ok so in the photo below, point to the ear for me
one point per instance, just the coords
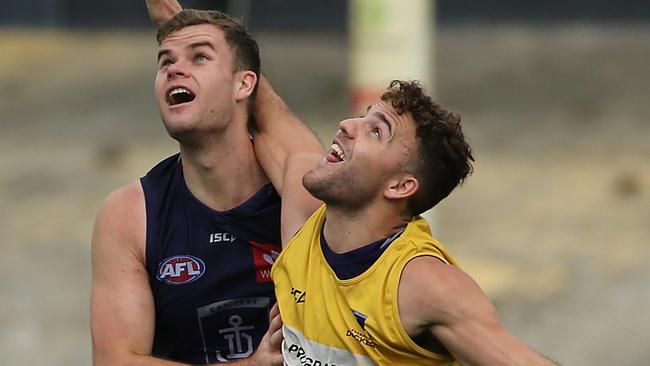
(401, 187)
(244, 84)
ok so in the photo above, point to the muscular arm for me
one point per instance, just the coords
(286, 149)
(441, 299)
(161, 10)
(122, 306)
(122, 309)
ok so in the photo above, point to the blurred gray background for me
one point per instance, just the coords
(555, 98)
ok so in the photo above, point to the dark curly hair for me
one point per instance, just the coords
(444, 157)
(244, 46)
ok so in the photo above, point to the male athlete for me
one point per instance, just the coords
(363, 282)
(182, 257)
(399, 299)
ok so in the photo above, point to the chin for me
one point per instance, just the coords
(316, 185)
(341, 190)
(180, 131)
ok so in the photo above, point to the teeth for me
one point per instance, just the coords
(178, 91)
(337, 149)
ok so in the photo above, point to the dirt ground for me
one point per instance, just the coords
(554, 224)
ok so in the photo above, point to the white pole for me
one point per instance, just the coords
(389, 39)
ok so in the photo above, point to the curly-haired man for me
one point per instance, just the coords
(363, 281)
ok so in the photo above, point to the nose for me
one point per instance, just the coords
(176, 69)
(349, 127)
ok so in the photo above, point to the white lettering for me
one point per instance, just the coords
(191, 271)
(222, 237)
(180, 267)
(265, 273)
(168, 270)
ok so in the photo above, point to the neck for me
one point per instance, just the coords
(345, 232)
(223, 172)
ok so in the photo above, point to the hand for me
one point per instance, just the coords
(162, 10)
(269, 352)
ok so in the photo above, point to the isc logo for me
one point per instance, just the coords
(180, 269)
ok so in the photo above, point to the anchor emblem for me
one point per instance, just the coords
(240, 344)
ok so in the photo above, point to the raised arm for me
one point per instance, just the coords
(161, 10)
(286, 149)
(455, 310)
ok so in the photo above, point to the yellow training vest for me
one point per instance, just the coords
(332, 322)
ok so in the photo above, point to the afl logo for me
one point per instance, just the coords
(180, 269)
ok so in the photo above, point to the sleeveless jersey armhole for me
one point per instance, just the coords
(396, 315)
(318, 213)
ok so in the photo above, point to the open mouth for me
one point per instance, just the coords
(178, 96)
(336, 154)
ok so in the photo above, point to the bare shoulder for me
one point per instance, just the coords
(122, 219)
(437, 292)
(121, 306)
(130, 193)
(441, 300)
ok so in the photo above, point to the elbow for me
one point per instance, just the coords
(112, 355)
(112, 359)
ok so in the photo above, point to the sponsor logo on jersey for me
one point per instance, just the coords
(299, 353)
(362, 338)
(299, 350)
(180, 269)
(263, 256)
(222, 238)
(298, 295)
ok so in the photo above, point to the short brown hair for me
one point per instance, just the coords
(243, 45)
(444, 157)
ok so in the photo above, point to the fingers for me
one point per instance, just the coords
(275, 332)
(275, 329)
(275, 310)
(277, 360)
(276, 340)
(275, 323)
(161, 10)
(275, 320)
(270, 349)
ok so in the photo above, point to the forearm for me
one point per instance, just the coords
(279, 134)
(275, 122)
(495, 347)
(135, 360)
(139, 360)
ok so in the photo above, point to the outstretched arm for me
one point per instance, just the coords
(455, 310)
(161, 10)
(286, 149)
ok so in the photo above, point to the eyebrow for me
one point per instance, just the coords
(202, 44)
(383, 119)
(193, 46)
(162, 53)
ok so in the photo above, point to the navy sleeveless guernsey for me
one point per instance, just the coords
(209, 270)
